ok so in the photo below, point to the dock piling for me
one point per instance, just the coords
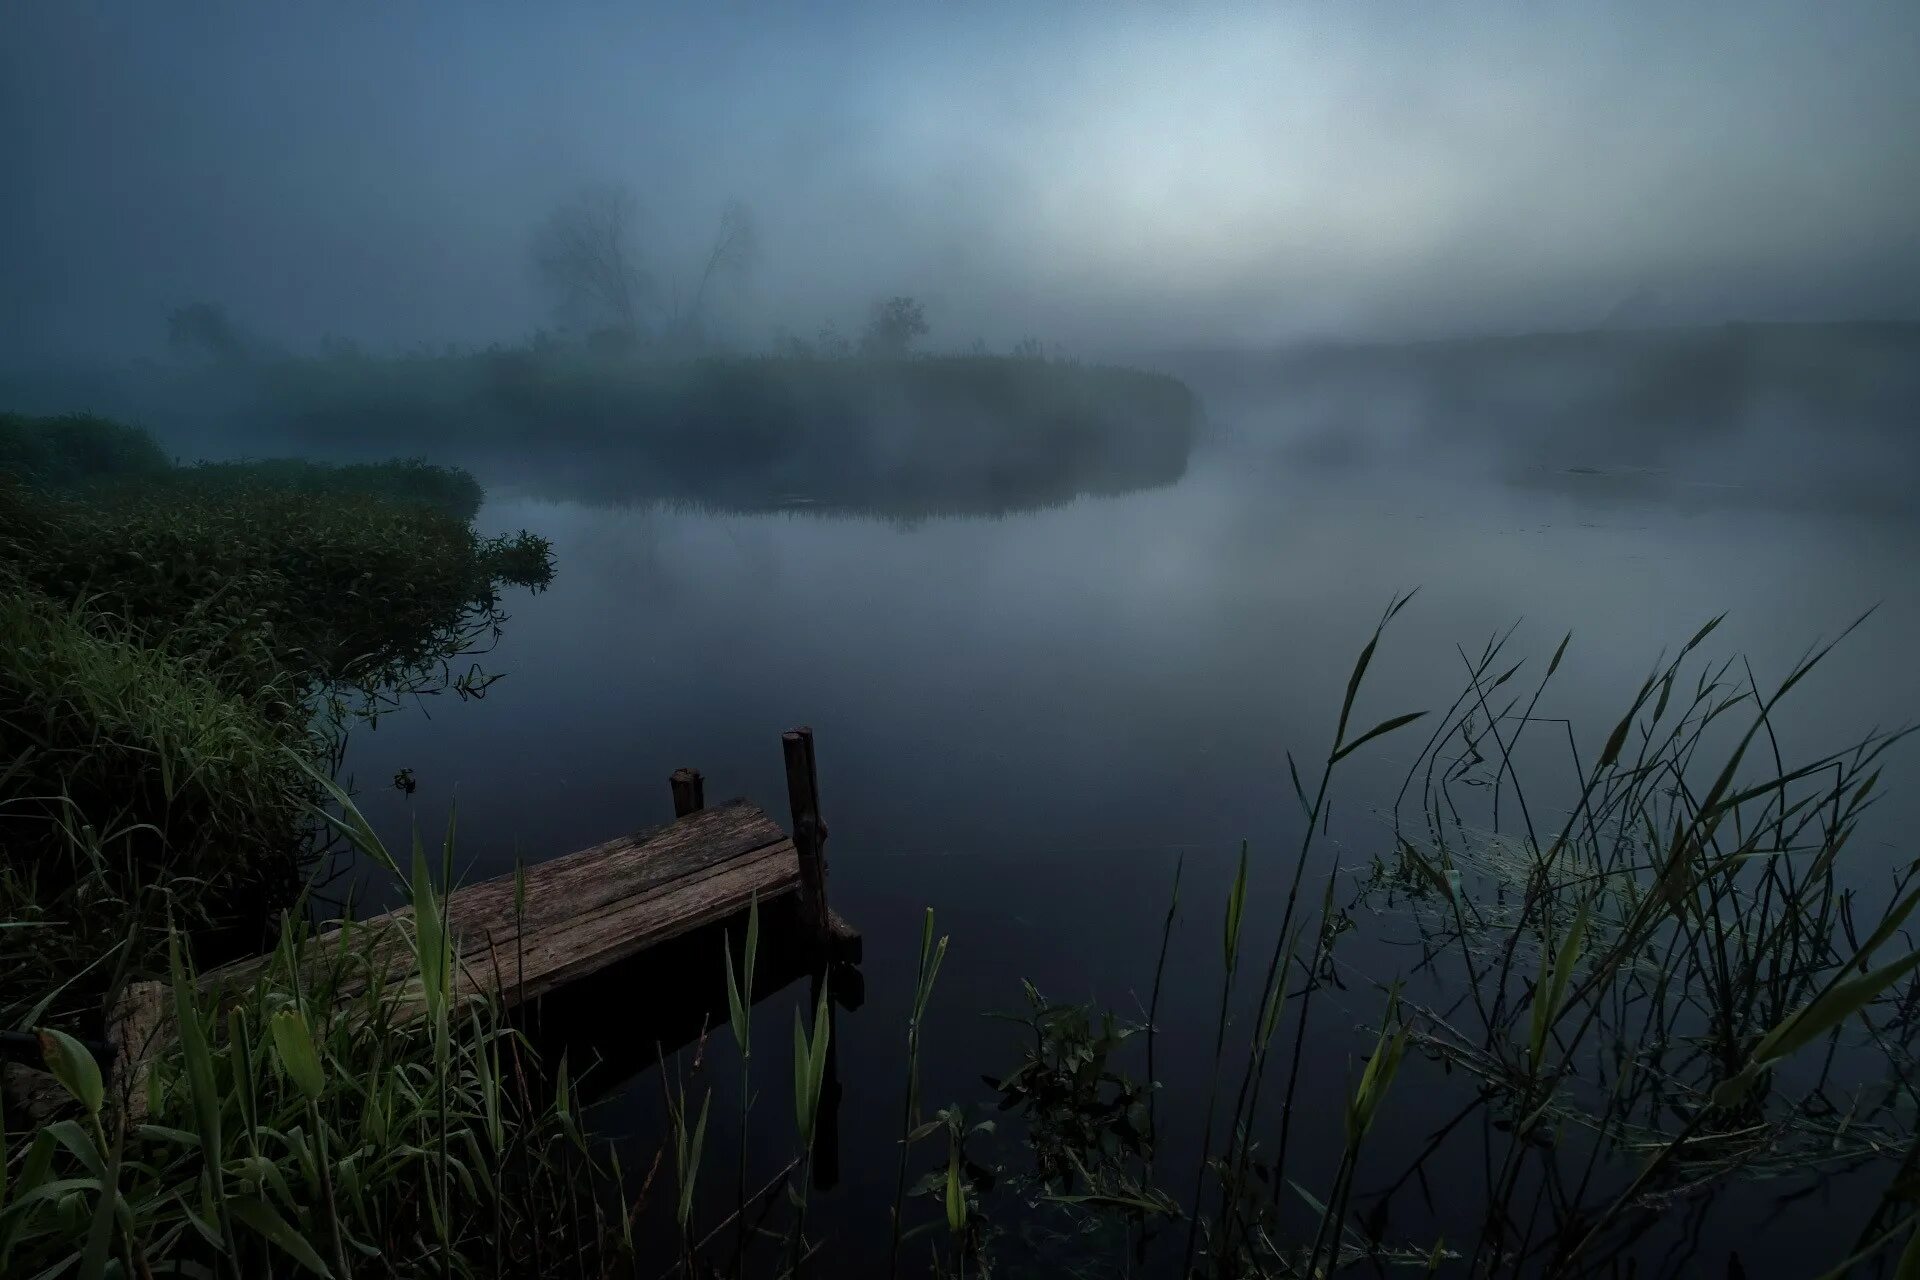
(809, 831)
(689, 792)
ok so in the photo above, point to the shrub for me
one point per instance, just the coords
(68, 451)
(449, 490)
(250, 581)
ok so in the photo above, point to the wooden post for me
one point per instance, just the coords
(809, 832)
(689, 792)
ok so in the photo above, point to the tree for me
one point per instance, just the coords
(586, 256)
(831, 343)
(735, 249)
(205, 330)
(895, 323)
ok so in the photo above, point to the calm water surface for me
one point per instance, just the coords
(1022, 721)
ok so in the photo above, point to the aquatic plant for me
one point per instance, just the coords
(322, 1120)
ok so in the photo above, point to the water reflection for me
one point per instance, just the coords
(1023, 721)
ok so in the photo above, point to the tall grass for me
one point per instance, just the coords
(1662, 991)
(926, 970)
(324, 1120)
(168, 648)
(1654, 977)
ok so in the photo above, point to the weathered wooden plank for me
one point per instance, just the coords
(582, 912)
(563, 888)
(593, 942)
(558, 892)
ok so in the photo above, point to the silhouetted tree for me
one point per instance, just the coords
(831, 343)
(586, 256)
(735, 249)
(204, 329)
(895, 323)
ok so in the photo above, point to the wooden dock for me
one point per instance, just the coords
(577, 915)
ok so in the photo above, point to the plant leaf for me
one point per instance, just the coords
(1831, 1008)
(74, 1068)
(1385, 726)
(1236, 906)
(293, 1045)
(956, 1199)
(262, 1219)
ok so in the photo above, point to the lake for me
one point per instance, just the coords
(1023, 721)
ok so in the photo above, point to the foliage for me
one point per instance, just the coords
(1086, 1119)
(169, 648)
(985, 431)
(321, 1121)
(1673, 992)
(893, 327)
(64, 452)
(205, 331)
(279, 581)
(135, 788)
(814, 424)
(448, 490)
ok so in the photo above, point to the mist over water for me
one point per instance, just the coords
(1024, 719)
(1042, 403)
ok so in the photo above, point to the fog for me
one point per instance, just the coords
(1111, 178)
(1043, 401)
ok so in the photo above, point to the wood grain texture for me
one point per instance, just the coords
(583, 912)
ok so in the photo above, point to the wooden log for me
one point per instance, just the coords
(809, 831)
(689, 792)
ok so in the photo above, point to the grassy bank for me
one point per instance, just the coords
(181, 650)
(178, 641)
(974, 432)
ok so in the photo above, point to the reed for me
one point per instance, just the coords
(926, 970)
(320, 1121)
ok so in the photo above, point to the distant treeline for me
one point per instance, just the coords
(1800, 416)
(953, 432)
(1645, 387)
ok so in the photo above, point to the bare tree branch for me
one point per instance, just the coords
(585, 255)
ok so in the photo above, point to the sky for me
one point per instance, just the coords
(1099, 174)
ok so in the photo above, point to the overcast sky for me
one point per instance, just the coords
(1105, 174)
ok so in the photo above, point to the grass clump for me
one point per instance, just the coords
(123, 739)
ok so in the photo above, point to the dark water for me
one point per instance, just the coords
(1021, 721)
